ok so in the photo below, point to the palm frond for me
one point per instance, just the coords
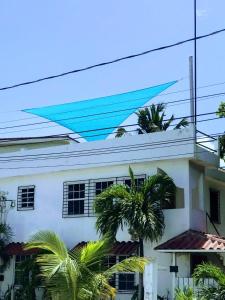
(120, 132)
(183, 123)
(131, 264)
(50, 241)
(108, 208)
(208, 270)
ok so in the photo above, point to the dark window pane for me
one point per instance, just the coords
(71, 195)
(82, 187)
(76, 187)
(101, 186)
(126, 282)
(215, 206)
(138, 182)
(76, 206)
(76, 195)
(112, 281)
(82, 194)
(70, 187)
(81, 207)
(70, 207)
(98, 185)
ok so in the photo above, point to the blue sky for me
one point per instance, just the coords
(41, 38)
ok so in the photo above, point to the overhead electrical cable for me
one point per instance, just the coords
(112, 61)
(100, 114)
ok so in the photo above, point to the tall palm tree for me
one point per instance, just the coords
(152, 119)
(137, 207)
(208, 270)
(80, 273)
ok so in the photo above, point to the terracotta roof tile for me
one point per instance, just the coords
(18, 249)
(194, 240)
(119, 248)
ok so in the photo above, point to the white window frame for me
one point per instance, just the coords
(66, 198)
(19, 197)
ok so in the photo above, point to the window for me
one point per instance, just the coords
(111, 261)
(124, 282)
(74, 199)
(101, 186)
(138, 182)
(197, 259)
(214, 196)
(20, 277)
(25, 199)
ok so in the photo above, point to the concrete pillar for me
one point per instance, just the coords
(150, 281)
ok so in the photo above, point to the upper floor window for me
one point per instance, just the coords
(214, 199)
(138, 182)
(100, 186)
(79, 195)
(74, 199)
(25, 199)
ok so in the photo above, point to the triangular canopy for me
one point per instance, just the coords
(95, 119)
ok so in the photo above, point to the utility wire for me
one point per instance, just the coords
(112, 61)
(168, 104)
(113, 150)
(103, 162)
(102, 113)
(160, 95)
(97, 129)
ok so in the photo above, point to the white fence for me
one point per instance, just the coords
(185, 282)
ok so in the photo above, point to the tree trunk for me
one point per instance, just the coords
(141, 281)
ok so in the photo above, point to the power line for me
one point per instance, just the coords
(168, 104)
(113, 150)
(103, 162)
(160, 95)
(112, 61)
(102, 113)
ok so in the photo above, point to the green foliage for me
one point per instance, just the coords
(221, 114)
(5, 238)
(186, 294)
(78, 274)
(120, 132)
(152, 119)
(139, 208)
(208, 270)
(221, 110)
(222, 146)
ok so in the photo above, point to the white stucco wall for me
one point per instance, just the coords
(144, 158)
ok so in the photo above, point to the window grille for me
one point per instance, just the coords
(25, 198)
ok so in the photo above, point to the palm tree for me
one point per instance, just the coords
(137, 207)
(208, 270)
(152, 119)
(5, 237)
(80, 273)
(186, 294)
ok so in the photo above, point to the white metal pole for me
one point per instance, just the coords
(173, 275)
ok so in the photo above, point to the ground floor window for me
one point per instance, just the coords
(197, 259)
(20, 275)
(123, 282)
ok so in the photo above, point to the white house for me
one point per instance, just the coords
(53, 181)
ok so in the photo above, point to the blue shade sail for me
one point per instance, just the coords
(95, 119)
